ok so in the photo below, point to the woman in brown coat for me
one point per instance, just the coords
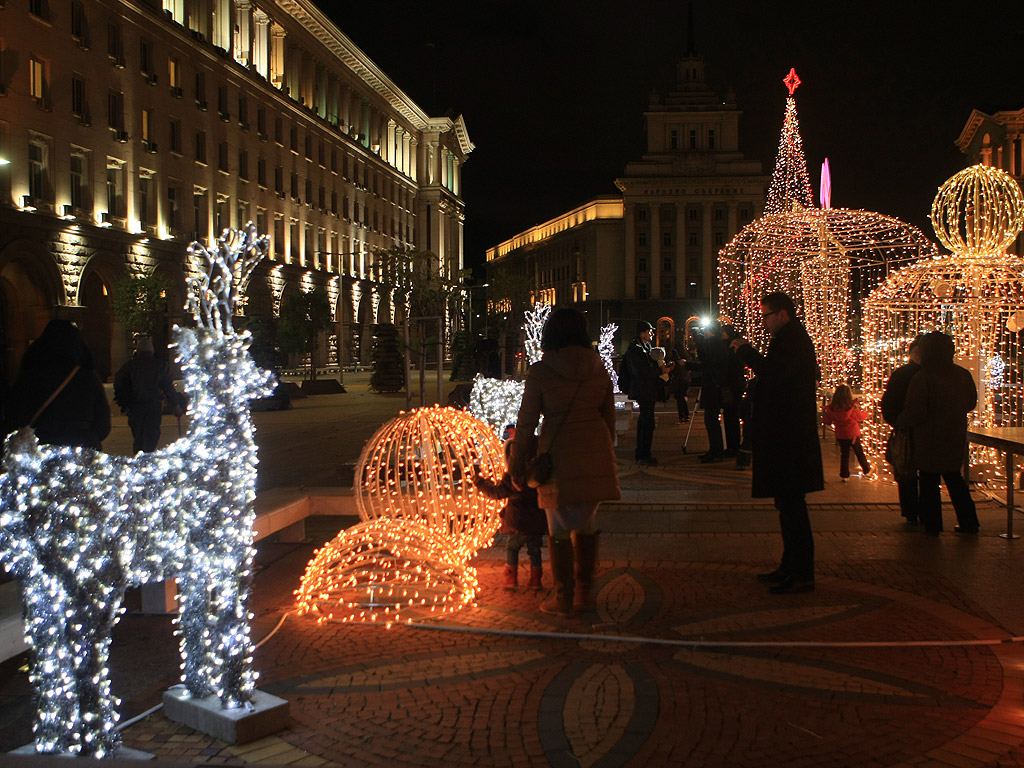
(573, 391)
(938, 400)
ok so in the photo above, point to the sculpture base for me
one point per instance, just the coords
(235, 726)
(123, 753)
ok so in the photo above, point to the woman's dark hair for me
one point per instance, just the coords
(60, 345)
(937, 350)
(565, 328)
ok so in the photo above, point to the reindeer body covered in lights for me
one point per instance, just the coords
(78, 527)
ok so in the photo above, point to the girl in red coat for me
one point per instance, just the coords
(844, 414)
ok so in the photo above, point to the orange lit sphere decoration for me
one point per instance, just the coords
(975, 296)
(385, 571)
(420, 466)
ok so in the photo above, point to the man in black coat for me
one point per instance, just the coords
(784, 436)
(643, 388)
(139, 388)
(722, 385)
(893, 399)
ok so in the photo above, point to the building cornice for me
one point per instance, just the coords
(592, 210)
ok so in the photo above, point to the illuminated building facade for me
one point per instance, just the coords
(131, 127)
(997, 140)
(652, 252)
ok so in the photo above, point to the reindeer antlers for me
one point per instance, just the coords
(213, 296)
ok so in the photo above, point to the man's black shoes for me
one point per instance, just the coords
(710, 458)
(792, 586)
(773, 577)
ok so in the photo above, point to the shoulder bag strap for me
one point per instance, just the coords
(52, 397)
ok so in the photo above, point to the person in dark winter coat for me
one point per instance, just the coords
(722, 385)
(79, 416)
(139, 388)
(784, 436)
(522, 519)
(644, 385)
(572, 390)
(679, 380)
(893, 397)
(935, 411)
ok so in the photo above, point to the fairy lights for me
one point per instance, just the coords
(828, 260)
(78, 527)
(791, 187)
(606, 349)
(974, 295)
(423, 520)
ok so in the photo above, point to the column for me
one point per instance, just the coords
(680, 250)
(277, 65)
(706, 251)
(243, 32)
(344, 107)
(390, 155)
(629, 214)
(414, 158)
(654, 268)
(261, 47)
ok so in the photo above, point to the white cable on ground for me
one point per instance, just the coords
(717, 643)
(121, 726)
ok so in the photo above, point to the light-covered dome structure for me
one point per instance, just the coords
(976, 296)
(828, 260)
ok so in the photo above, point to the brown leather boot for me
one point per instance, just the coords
(511, 577)
(559, 602)
(585, 548)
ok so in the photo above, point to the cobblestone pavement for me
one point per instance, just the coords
(901, 656)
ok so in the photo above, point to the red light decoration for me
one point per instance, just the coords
(791, 80)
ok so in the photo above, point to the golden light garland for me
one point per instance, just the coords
(976, 297)
(827, 260)
(424, 518)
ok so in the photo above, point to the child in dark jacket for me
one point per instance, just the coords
(523, 521)
(844, 414)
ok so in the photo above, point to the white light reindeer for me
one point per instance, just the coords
(78, 527)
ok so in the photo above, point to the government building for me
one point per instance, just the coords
(651, 252)
(130, 128)
(996, 140)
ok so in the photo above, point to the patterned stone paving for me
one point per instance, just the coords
(430, 696)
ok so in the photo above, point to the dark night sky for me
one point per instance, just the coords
(553, 93)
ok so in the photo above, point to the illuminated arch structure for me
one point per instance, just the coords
(828, 260)
(975, 294)
(423, 519)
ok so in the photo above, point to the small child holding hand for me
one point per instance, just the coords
(844, 414)
(522, 519)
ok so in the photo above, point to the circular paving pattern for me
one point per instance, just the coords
(362, 695)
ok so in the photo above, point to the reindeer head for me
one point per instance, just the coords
(220, 375)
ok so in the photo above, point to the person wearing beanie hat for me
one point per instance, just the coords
(643, 374)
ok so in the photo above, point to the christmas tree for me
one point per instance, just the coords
(790, 185)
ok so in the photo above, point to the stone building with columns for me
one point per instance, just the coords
(129, 128)
(651, 253)
(996, 140)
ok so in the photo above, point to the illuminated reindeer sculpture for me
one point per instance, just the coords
(78, 527)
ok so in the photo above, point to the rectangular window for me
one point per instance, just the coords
(174, 77)
(641, 214)
(673, 141)
(294, 139)
(222, 157)
(641, 264)
(692, 291)
(200, 213)
(693, 238)
(322, 155)
(146, 59)
(115, 46)
(693, 214)
(261, 123)
(322, 199)
(666, 264)
(719, 239)
(173, 206)
(201, 91)
(243, 164)
(40, 8)
(174, 131)
(277, 241)
(201, 147)
(295, 186)
(37, 80)
(666, 290)
(309, 193)
(223, 213)
(261, 221)
(711, 138)
(79, 108)
(78, 23)
(641, 291)
(279, 180)
(222, 103)
(115, 188)
(115, 115)
(147, 202)
(261, 172)
(147, 121)
(693, 264)
(279, 131)
(334, 202)
(39, 186)
(666, 238)
(79, 178)
(243, 113)
(641, 238)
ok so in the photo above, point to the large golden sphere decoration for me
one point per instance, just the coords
(423, 519)
(978, 211)
(420, 465)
